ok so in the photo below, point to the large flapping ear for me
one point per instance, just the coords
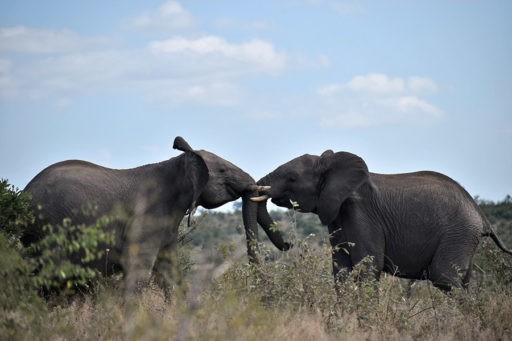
(340, 174)
(196, 172)
(181, 144)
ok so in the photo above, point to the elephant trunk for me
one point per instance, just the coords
(264, 219)
(249, 216)
(270, 227)
(252, 214)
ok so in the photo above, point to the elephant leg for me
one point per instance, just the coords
(340, 261)
(374, 266)
(340, 252)
(139, 257)
(166, 270)
(467, 277)
(140, 251)
(452, 264)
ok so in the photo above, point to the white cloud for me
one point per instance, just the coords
(376, 82)
(422, 85)
(212, 63)
(372, 99)
(60, 64)
(256, 52)
(410, 104)
(329, 90)
(169, 16)
(382, 84)
(21, 39)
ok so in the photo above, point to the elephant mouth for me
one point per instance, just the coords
(283, 202)
(232, 192)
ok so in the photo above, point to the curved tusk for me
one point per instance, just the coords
(261, 198)
(264, 188)
(191, 221)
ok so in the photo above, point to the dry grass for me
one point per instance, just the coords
(289, 298)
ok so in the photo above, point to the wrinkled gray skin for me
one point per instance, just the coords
(147, 204)
(419, 225)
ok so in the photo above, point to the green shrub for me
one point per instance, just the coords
(15, 211)
(62, 256)
(56, 262)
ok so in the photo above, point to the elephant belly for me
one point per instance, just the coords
(412, 264)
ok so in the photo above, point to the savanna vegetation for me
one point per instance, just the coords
(289, 296)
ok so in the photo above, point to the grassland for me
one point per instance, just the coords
(290, 296)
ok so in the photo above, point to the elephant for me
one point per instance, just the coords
(420, 225)
(146, 203)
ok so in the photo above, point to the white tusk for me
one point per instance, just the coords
(261, 198)
(191, 221)
(264, 188)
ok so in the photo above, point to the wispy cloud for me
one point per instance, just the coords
(22, 39)
(204, 70)
(170, 16)
(373, 99)
(255, 52)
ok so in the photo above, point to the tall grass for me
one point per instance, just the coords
(291, 297)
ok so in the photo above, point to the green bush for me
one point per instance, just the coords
(15, 212)
(56, 262)
(62, 256)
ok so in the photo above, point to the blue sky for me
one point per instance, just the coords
(407, 85)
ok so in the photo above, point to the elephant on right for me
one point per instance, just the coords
(420, 225)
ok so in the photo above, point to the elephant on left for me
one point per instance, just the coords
(145, 206)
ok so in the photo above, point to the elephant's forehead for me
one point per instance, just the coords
(301, 163)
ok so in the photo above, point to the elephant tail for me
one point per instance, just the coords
(497, 240)
(489, 231)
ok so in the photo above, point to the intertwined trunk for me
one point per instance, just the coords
(254, 213)
(249, 213)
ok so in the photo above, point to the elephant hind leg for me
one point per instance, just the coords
(452, 263)
(467, 277)
(446, 281)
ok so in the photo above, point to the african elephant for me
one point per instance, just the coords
(147, 204)
(420, 225)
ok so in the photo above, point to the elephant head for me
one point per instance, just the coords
(311, 183)
(226, 183)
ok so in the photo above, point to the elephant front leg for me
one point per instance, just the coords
(340, 254)
(167, 272)
(138, 259)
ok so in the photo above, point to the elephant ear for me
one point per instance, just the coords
(197, 175)
(181, 144)
(340, 174)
